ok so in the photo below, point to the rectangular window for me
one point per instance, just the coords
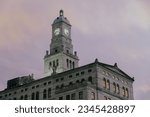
(49, 93)
(81, 95)
(67, 97)
(73, 96)
(77, 74)
(26, 89)
(82, 73)
(45, 83)
(44, 94)
(62, 79)
(32, 96)
(90, 70)
(60, 98)
(57, 80)
(37, 95)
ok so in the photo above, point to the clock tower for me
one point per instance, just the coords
(60, 57)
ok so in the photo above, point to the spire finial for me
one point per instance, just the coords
(61, 13)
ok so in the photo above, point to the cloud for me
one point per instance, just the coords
(118, 29)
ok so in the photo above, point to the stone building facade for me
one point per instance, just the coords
(65, 80)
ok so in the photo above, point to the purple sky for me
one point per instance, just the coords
(110, 30)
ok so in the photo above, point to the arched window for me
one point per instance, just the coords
(104, 82)
(44, 94)
(70, 83)
(73, 65)
(57, 62)
(50, 64)
(90, 79)
(53, 63)
(118, 89)
(123, 92)
(62, 85)
(83, 80)
(92, 96)
(49, 93)
(70, 64)
(77, 81)
(37, 95)
(108, 84)
(67, 61)
(32, 96)
(114, 87)
(127, 93)
(25, 97)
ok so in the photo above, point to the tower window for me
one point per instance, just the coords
(56, 50)
(67, 51)
(50, 64)
(70, 64)
(67, 63)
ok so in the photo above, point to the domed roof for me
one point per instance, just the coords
(61, 18)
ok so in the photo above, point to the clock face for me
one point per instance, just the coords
(57, 31)
(66, 31)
